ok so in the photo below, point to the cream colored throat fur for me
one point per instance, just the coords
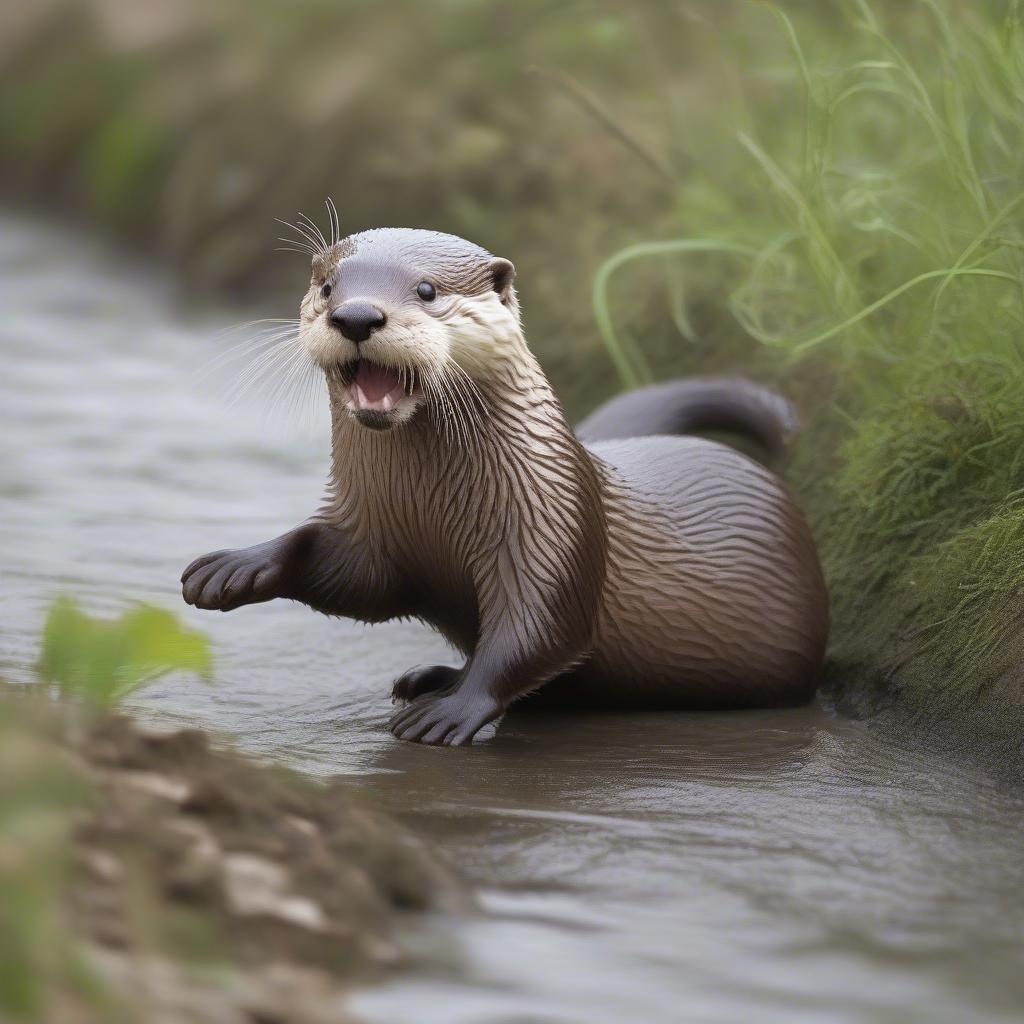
(499, 521)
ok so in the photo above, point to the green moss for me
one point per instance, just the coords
(970, 589)
(916, 468)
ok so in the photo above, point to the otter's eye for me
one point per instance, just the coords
(426, 291)
(325, 291)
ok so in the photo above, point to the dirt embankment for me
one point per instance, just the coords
(200, 886)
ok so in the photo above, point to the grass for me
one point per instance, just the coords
(873, 222)
(978, 574)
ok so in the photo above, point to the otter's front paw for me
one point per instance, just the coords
(224, 580)
(451, 719)
(418, 681)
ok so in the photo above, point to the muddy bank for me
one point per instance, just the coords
(198, 885)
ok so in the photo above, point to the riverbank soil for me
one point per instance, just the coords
(177, 882)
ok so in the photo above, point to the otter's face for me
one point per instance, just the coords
(399, 318)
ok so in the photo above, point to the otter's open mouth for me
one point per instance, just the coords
(373, 387)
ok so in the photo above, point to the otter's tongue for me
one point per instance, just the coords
(376, 387)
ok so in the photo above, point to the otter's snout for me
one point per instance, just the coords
(357, 320)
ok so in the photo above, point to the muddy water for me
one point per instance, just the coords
(784, 866)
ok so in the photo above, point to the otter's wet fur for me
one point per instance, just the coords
(636, 570)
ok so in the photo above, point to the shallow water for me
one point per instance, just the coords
(782, 866)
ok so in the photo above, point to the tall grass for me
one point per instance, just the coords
(870, 209)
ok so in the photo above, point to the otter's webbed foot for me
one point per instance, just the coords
(225, 580)
(451, 718)
(419, 681)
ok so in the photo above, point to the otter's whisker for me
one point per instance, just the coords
(264, 383)
(260, 344)
(469, 387)
(314, 242)
(286, 377)
(436, 406)
(464, 402)
(332, 212)
(444, 386)
(316, 229)
(303, 248)
(264, 334)
(284, 395)
(453, 425)
(454, 368)
(296, 249)
(263, 337)
(244, 351)
(234, 328)
(312, 235)
(315, 394)
(461, 388)
(432, 406)
(303, 243)
(453, 410)
(263, 364)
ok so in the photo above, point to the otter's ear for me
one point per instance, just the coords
(503, 274)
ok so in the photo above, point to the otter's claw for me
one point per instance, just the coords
(224, 580)
(418, 681)
(451, 719)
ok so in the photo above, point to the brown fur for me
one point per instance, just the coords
(652, 571)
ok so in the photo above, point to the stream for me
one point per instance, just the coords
(653, 868)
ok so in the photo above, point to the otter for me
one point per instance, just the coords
(623, 565)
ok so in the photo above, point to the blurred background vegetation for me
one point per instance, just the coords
(826, 195)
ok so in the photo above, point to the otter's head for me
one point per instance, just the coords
(398, 318)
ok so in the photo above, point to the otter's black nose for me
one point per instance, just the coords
(357, 319)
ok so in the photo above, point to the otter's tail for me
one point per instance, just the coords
(732, 404)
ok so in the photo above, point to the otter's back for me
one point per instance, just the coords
(713, 583)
